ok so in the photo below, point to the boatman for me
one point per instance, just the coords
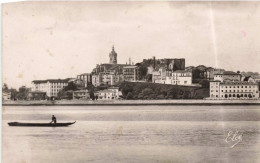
(53, 119)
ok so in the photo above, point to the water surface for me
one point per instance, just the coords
(132, 134)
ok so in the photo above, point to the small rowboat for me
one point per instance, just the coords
(40, 124)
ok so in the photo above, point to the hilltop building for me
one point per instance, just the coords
(172, 64)
(84, 79)
(109, 73)
(178, 77)
(113, 56)
(227, 75)
(130, 73)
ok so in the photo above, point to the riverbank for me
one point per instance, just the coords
(133, 102)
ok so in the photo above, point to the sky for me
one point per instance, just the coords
(52, 40)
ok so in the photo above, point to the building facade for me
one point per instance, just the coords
(50, 86)
(111, 93)
(130, 73)
(113, 56)
(233, 90)
(227, 76)
(84, 79)
(37, 95)
(81, 94)
(179, 77)
(6, 96)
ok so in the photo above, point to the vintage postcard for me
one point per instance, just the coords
(130, 82)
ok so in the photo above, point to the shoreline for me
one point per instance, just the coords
(130, 102)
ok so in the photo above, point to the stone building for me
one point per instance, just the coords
(227, 76)
(233, 90)
(108, 73)
(84, 79)
(113, 56)
(131, 73)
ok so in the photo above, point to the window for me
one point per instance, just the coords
(241, 86)
(237, 86)
(245, 86)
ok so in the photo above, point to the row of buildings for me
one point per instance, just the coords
(164, 71)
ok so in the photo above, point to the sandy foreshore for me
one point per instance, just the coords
(134, 102)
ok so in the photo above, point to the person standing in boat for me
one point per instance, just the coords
(53, 119)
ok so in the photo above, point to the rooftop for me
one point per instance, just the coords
(238, 83)
(130, 66)
(51, 81)
(181, 71)
(227, 73)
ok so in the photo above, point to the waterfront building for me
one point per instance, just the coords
(81, 94)
(233, 90)
(111, 93)
(6, 96)
(227, 76)
(37, 95)
(50, 86)
(130, 73)
(84, 79)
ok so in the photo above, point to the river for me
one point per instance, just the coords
(132, 134)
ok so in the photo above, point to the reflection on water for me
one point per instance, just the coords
(132, 134)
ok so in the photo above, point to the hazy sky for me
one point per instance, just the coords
(43, 40)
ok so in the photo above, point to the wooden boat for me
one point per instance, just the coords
(40, 124)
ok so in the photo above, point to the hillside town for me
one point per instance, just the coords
(152, 78)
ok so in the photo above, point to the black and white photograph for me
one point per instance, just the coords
(130, 81)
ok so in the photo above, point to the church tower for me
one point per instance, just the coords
(113, 56)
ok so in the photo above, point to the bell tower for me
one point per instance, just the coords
(113, 56)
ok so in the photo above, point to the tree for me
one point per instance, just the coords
(204, 83)
(23, 93)
(143, 71)
(5, 88)
(147, 91)
(92, 95)
(149, 77)
(129, 96)
(71, 87)
(13, 93)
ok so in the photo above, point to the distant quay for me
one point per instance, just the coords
(132, 102)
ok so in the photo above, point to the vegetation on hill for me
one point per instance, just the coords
(135, 90)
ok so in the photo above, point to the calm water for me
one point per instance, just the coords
(132, 134)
